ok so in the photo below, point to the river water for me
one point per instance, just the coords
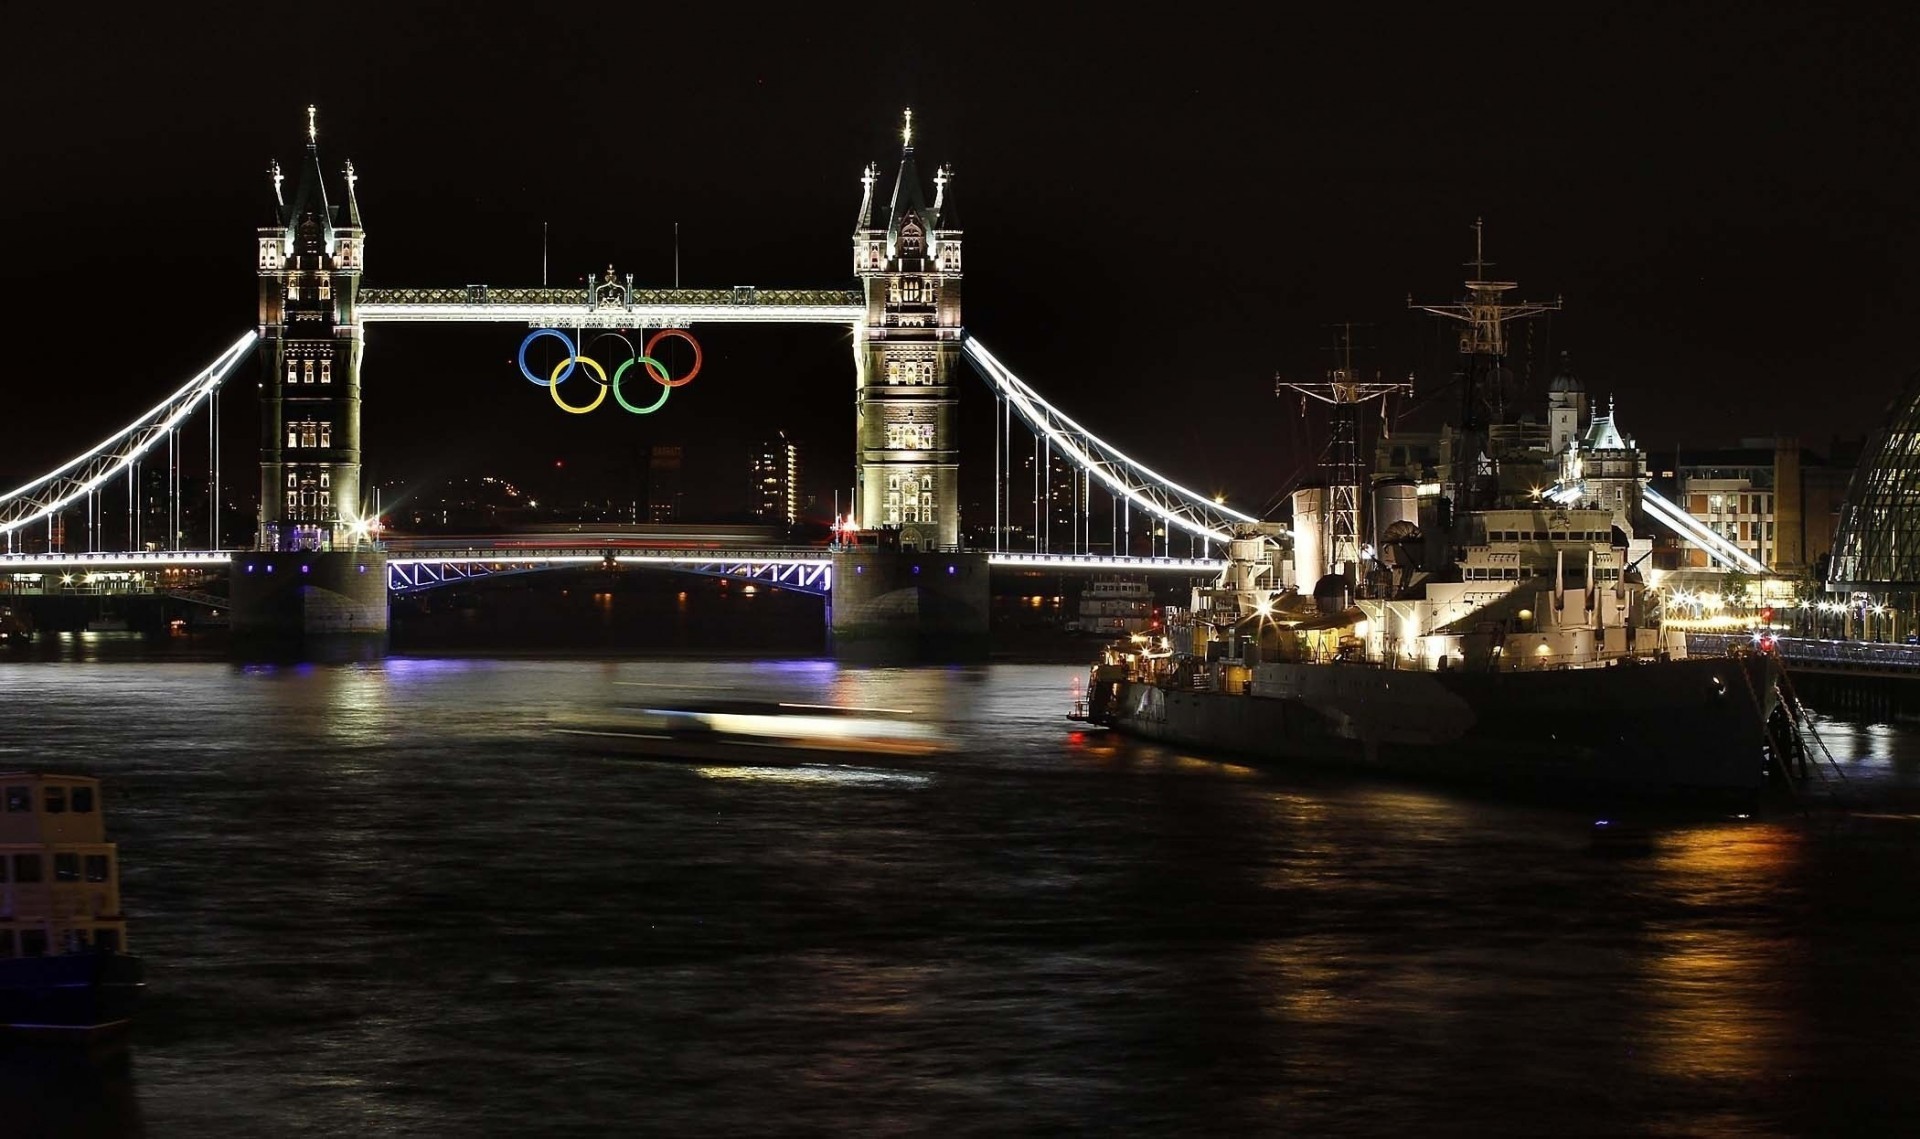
(388, 898)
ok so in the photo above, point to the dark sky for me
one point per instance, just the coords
(1161, 213)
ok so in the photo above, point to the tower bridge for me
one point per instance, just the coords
(314, 564)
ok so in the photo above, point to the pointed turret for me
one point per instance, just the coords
(353, 203)
(864, 219)
(945, 217)
(908, 209)
(276, 212)
(310, 196)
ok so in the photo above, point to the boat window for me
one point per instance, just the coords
(26, 868)
(33, 943)
(6, 943)
(106, 940)
(3, 870)
(96, 868)
(76, 941)
(56, 800)
(66, 868)
(19, 798)
(82, 800)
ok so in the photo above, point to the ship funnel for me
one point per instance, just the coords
(1309, 555)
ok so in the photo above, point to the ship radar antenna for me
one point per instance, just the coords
(1485, 311)
(1479, 263)
(1344, 391)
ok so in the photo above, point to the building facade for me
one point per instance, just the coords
(309, 260)
(776, 480)
(1774, 499)
(666, 488)
(907, 257)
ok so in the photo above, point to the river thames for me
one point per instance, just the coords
(389, 898)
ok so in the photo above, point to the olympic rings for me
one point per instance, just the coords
(660, 377)
(665, 389)
(592, 365)
(535, 335)
(655, 369)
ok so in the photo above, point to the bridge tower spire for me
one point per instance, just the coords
(905, 352)
(309, 268)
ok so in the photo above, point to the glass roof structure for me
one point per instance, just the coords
(1877, 548)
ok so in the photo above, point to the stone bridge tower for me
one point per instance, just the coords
(907, 256)
(309, 264)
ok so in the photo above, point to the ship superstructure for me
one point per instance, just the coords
(1476, 607)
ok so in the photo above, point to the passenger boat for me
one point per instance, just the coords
(64, 965)
(1113, 607)
(754, 732)
(14, 629)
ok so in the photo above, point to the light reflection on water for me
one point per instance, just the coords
(380, 898)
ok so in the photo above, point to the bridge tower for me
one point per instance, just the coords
(310, 260)
(907, 257)
(313, 572)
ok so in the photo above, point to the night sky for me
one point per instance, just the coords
(1160, 214)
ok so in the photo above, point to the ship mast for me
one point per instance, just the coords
(1344, 391)
(1485, 311)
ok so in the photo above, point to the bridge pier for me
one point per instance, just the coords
(904, 604)
(303, 597)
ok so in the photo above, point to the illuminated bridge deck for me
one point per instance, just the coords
(417, 564)
(577, 308)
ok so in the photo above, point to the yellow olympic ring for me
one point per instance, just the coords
(590, 364)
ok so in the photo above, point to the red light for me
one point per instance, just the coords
(1766, 614)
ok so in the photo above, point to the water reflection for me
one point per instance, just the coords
(381, 897)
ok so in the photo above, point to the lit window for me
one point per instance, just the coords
(326, 479)
(326, 371)
(306, 371)
(293, 288)
(293, 371)
(326, 287)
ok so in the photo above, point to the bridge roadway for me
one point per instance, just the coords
(586, 307)
(415, 564)
(1833, 658)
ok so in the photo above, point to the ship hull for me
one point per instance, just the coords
(80, 995)
(1671, 727)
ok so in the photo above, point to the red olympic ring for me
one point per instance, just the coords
(659, 377)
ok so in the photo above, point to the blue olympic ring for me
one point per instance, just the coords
(557, 335)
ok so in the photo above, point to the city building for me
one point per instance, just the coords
(776, 480)
(665, 491)
(1776, 500)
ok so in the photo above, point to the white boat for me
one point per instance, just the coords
(1113, 607)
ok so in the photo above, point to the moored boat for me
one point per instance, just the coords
(64, 965)
(1478, 609)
